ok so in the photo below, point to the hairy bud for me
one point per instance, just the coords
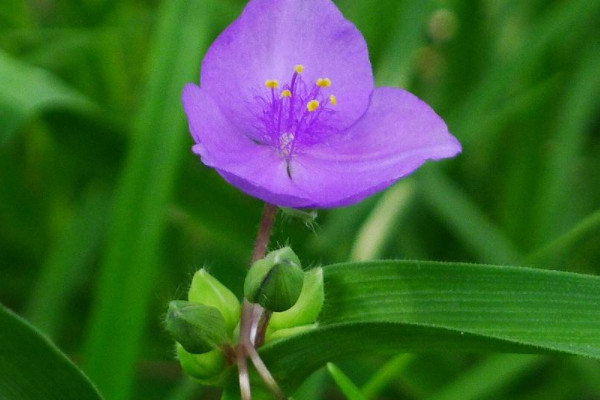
(276, 281)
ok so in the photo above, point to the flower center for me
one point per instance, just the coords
(294, 115)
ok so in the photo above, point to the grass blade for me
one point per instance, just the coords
(26, 90)
(350, 390)
(483, 380)
(132, 262)
(579, 111)
(474, 228)
(386, 374)
(66, 263)
(379, 226)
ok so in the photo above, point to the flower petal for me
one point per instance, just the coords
(397, 134)
(256, 169)
(269, 39)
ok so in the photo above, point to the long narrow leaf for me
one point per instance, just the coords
(26, 90)
(31, 367)
(132, 263)
(428, 306)
(350, 390)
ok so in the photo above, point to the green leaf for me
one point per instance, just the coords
(423, 306)
(484, 379)
(560, 247)
(577, 114)
(387, 374)
(26, 90)
(383, 221)
(31, 367)
(350, 390)
(67, 262)
(467, 220)
(131, 266)
(398, 61)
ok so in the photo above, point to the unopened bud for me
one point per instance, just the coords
(206, 289)
(209, 368)
(197, 327)
(276, 281)
(309, 304)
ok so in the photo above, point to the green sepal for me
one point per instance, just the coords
(273, 334)
(197, 327)
(309, 304)
(209, 368)
(206, 289)
(276, 281)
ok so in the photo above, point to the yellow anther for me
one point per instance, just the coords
(272, 84)
(312, 105)
(286, 93)
(323, 82)
(333, 100)
(299, 68)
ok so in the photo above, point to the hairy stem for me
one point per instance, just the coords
(264, 232)
(248, 320)
(265, 374)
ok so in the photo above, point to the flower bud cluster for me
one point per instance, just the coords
(205, 326)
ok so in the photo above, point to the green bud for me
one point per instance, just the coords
(209, 368)
(205, 289)
(197, 327)
(276, 281)
(307, 308)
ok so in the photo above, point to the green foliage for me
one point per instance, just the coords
(105, 214)
(344, 383)
(417, 306)
(31, 367)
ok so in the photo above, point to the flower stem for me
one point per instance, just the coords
(261, 330)
(265, 374)
(248, 320)
(264, 232)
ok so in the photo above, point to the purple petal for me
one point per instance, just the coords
(269, 39)
(398, 134)
(256, 169)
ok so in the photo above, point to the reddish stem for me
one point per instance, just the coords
(264, 232)
(247, 322)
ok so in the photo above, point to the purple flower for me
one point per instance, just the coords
(287, 110)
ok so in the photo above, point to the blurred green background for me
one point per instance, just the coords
(105, 213)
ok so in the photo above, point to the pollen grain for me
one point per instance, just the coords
(272, 84)
(324, 82)
(312, 105)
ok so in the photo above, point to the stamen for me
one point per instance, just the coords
(294, 114)
(324, 82)
(272, 84)
(312, 105)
